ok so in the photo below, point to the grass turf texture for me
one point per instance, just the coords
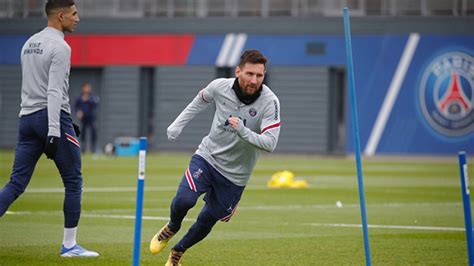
(271, 226)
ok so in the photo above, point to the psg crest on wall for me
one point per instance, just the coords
(447, 94)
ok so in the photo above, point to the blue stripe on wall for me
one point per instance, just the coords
(408, 131)
(10, 48)
(205, 49)
(375, 61)
(292, 49)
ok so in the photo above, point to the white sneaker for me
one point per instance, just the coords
(77, 251)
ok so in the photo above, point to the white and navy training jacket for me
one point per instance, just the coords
(233, 152)
(45, 63)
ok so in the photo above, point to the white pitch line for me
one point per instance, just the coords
(351, 205)
(92, 215)
(101, 189)
(122, 189)
(403, 227)
(162, 218)
(259, 208)
(131, 217)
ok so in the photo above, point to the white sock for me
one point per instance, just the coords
(69, 240)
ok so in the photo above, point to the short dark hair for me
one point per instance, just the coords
(52, 5)
(252, 56)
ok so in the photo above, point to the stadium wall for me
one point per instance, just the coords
(306, 60)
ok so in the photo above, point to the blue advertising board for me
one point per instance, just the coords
(415, 93)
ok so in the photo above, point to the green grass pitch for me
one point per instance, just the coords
(414, 209)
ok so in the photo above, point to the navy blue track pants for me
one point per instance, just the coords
(32, 135)
(221, 197)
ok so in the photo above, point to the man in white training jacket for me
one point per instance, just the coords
(246, 120)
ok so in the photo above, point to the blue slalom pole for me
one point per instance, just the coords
(466, 198)
(355, 126)
(139, 207)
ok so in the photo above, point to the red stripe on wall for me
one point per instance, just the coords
(128, 49)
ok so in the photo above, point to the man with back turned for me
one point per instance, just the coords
(45, 120)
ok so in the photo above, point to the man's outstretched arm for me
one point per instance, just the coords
(197, 105)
